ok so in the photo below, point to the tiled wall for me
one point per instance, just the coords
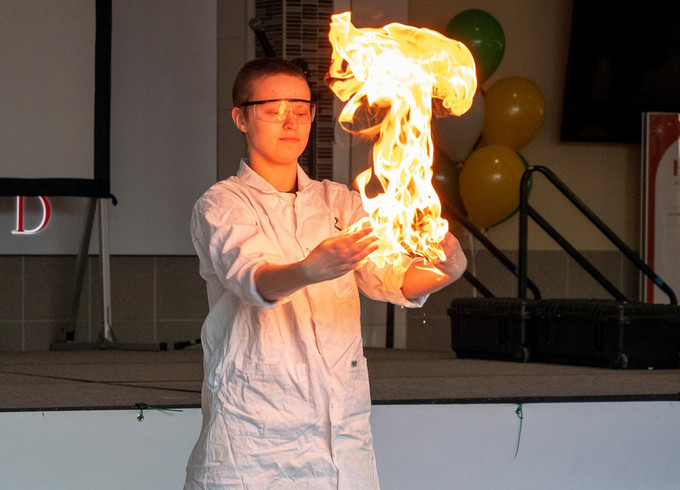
(153, 300)
(163, 299)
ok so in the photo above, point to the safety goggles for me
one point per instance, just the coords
(277, 110)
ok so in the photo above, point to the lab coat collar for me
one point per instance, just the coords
(253, 179)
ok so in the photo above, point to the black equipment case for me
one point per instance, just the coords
(615, 334)
(492, 328)
(587, 332)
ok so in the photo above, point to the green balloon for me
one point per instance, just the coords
(483, 36)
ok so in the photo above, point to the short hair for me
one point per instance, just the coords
(259, 68)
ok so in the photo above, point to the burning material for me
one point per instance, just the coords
(393, 74)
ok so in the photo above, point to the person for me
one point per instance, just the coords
(285, 398)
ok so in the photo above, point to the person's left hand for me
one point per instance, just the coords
(455, 263)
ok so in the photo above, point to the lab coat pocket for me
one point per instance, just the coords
(345, 288)
(268, 400)
(358, 397)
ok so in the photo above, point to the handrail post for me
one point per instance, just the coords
(523, 233)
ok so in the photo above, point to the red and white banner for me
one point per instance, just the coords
(661, 203)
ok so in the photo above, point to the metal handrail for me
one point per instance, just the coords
(526, 211)
(488, 244)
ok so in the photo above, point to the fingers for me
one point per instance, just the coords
(361, 238)
(365, 238)
(355, 246)
(448, 243)
(356, 235)
(340, 254)
(455, 262)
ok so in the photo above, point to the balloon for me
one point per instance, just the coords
(483, 36)
(489, 184)
(514, 110)
(529, 187)
(445, 179)
(456, 136)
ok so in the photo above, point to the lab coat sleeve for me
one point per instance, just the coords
(384, 284)
(231, 245)
(381, 283)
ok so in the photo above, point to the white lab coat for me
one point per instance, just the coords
(285, 398)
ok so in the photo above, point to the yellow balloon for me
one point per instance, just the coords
(489, 184)
(514, 110)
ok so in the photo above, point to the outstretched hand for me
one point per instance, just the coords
(452, 265)
(421, 279)
(336, 256)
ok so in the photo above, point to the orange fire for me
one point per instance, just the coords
(393, 74)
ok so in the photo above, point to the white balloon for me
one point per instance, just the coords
(456, 136)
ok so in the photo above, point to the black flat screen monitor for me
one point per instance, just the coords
(624, 60)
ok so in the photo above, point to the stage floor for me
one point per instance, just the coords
(110, 379)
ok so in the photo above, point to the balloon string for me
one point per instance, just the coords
(520, 414)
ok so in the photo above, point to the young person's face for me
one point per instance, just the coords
(270, 142)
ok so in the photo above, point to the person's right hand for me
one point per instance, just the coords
(336, 256)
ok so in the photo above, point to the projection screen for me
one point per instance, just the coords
(55, 66)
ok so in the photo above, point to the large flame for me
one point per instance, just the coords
(393, 74)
